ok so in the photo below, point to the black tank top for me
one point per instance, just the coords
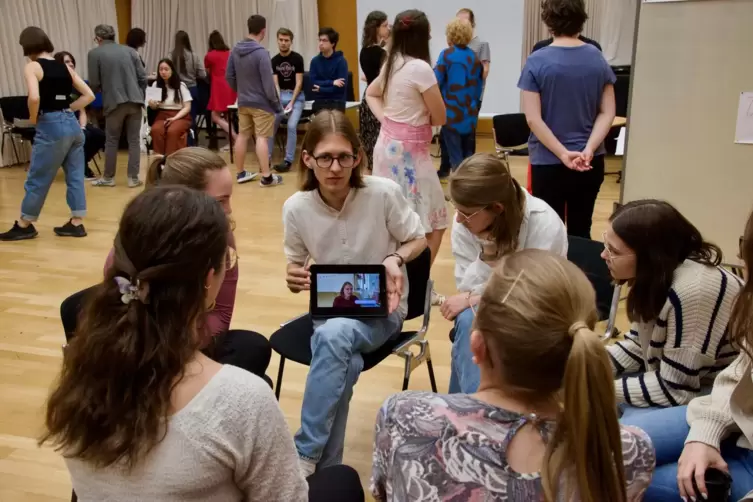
(56, 86)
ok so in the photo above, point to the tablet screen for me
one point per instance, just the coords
(348, 291)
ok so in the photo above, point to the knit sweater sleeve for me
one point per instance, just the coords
(627, 356)
(689, 317)
(710, 417)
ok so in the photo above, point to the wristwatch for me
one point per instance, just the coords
(400, 259)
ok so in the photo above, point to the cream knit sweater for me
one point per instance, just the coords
(665, 362)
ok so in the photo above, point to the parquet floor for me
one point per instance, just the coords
(35, 276)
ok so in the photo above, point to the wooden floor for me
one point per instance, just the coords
(36, 275)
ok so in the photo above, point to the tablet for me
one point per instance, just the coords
(354, 291)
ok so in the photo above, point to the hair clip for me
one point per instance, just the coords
(130, 291)
(515, 283)
(406, 21)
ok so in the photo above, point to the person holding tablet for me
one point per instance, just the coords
(346, 298)
(341, 217)
(494, 217)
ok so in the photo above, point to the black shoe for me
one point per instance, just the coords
(283, 168)
(18, 233)
(70, 230)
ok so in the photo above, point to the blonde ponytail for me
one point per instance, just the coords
(586, 450)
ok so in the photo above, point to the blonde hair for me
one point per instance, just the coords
(482, 180)
(459, 32)
(536, 316)
(187, 167)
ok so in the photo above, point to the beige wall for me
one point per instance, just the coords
(692, 61)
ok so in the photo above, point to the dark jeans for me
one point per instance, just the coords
(194, 112)
(571, 194)
(458, 146)
(444, 163)
(244, 349)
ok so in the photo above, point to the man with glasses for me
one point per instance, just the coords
(118, 72)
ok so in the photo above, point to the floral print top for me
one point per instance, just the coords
(433, 447)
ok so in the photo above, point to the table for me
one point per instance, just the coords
(308, 106)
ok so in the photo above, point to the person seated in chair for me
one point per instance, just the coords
(288, 69)
(139, 412)
(341, 217)
(494, 216)
(679, 304)
(545, 406)
(94, 137)
(328, 73)
(170, 128)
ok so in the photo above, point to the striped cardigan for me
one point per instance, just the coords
(665, 362)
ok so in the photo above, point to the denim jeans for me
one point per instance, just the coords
(293, 119)
(59, 141)
(459, 146)
(668, 428)
(465, 375)
(336, 347)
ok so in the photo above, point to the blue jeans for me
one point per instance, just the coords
(59, 141)
(293, 119)
(459, 146)
(668, 428)
(465, 375)
(336, 347)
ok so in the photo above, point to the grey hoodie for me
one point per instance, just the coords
(249, 73)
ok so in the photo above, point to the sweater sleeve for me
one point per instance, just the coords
(627, 356)
(464, 250)
(268, 468)
(230, 74)
(710, 417)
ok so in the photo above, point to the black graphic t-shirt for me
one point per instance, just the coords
(285, 67)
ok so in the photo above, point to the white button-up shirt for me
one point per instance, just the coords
(373, 223)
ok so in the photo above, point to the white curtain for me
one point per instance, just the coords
(618, 31)
(160, 19)
(70, 26)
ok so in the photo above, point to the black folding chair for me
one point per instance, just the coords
(15, 107)
(511, 133)
(586, 254)
(293, 339)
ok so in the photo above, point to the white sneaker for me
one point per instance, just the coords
(246, 176)
(307, 467)
(134, 182)
(274, 179)
(103, 182)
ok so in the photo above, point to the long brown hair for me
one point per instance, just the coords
(410, 37)
(112, 399)
(482, 180)
(537, 315)
(374, 20)
(330, 122)
(661, 238)
(182, 44)
(187, 166)
(216, 42)
(740, 324)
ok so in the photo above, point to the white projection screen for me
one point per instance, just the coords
(499, 22)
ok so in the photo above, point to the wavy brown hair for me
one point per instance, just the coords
(741, 319)
(374, 20)
(482, 180)
(410, 37)
(324, 123)
(661, 238)
(564, 17)
(112, 399)
(537, 315)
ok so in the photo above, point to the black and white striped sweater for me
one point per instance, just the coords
(665, 362)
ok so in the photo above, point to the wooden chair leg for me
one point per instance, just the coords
(278, 387)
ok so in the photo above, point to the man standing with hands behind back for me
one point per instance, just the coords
(117, 71)
(249, 73)
(329, 73)
(288, 75)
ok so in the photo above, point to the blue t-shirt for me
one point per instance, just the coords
(571, 82)
(460, 79)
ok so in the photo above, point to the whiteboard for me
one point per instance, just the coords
(499, 22)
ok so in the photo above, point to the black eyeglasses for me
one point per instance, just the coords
(344, 160)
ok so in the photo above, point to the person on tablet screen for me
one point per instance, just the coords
(346, 298)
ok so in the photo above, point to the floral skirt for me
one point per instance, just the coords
(402, 154)
(369, 131)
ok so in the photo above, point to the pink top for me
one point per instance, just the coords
(218, 319)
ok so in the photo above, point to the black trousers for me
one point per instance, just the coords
(94, 141)
(338, 483)
(571, 194)
(245, 349)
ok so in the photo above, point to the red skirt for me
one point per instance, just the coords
(221, 95)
